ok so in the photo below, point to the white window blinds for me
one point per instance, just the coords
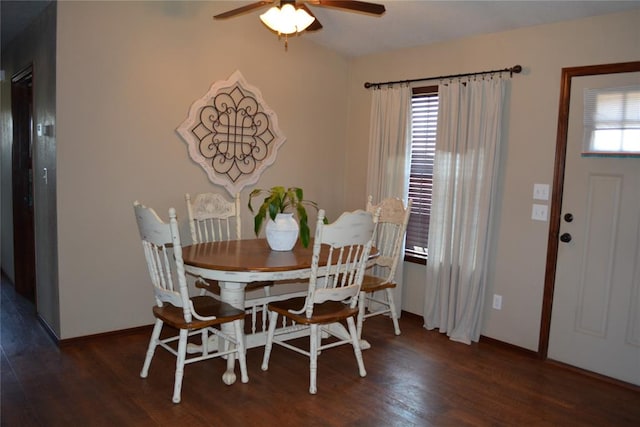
(612, 120)
(424, 120)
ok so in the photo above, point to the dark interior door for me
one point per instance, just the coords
(22, 178)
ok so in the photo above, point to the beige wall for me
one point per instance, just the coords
(127, 75)
(529, 136)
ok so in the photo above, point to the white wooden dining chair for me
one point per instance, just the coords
(332, 294)
(376, 294)
(198, 315)
(212, 218)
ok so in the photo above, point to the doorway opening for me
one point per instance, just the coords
(22, 184)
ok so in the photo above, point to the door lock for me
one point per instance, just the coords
(566, 238)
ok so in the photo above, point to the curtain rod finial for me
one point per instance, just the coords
(516, 69)
(367, 85)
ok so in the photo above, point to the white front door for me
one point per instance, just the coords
(595, 321)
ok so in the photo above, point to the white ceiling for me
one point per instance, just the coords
(415, 23)
(405, 23)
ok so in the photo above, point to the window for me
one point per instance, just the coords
(612, 121)
(424, 119)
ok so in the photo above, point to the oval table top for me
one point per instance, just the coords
(251, 255)
(247, 255)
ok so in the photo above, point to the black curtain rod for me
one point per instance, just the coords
(515, 69)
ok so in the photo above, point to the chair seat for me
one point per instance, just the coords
(324, 313)
(374, 283)
(205, 306)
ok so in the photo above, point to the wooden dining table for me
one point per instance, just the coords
(234, 263)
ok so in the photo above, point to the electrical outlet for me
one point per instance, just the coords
(539, 212)
(497, 302)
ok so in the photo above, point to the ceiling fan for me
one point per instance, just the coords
(287, 17)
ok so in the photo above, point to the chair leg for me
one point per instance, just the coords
(182, 353)
(205, 341)
(361, 308)
(273, 319)
(319, 339)
(153, 343)
(242, 352)
(392, 308)
(356, 346)
(313, 359)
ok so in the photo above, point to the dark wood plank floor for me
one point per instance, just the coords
(417, 379)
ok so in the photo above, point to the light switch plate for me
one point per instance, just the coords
(541, 191)
(539, 212)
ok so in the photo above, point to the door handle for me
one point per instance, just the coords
(568, 217)
(566, 238)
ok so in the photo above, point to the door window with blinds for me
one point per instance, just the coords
(612, 121)
(424, 120)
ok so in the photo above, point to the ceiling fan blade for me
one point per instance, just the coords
(359, 6)
(316, 25)
(243, 9)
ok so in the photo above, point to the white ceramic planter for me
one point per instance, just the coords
(282, 233)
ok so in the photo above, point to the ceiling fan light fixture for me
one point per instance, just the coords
(287, 19)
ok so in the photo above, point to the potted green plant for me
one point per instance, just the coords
(283, 201)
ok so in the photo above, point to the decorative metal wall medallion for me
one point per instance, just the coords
(232, 133)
